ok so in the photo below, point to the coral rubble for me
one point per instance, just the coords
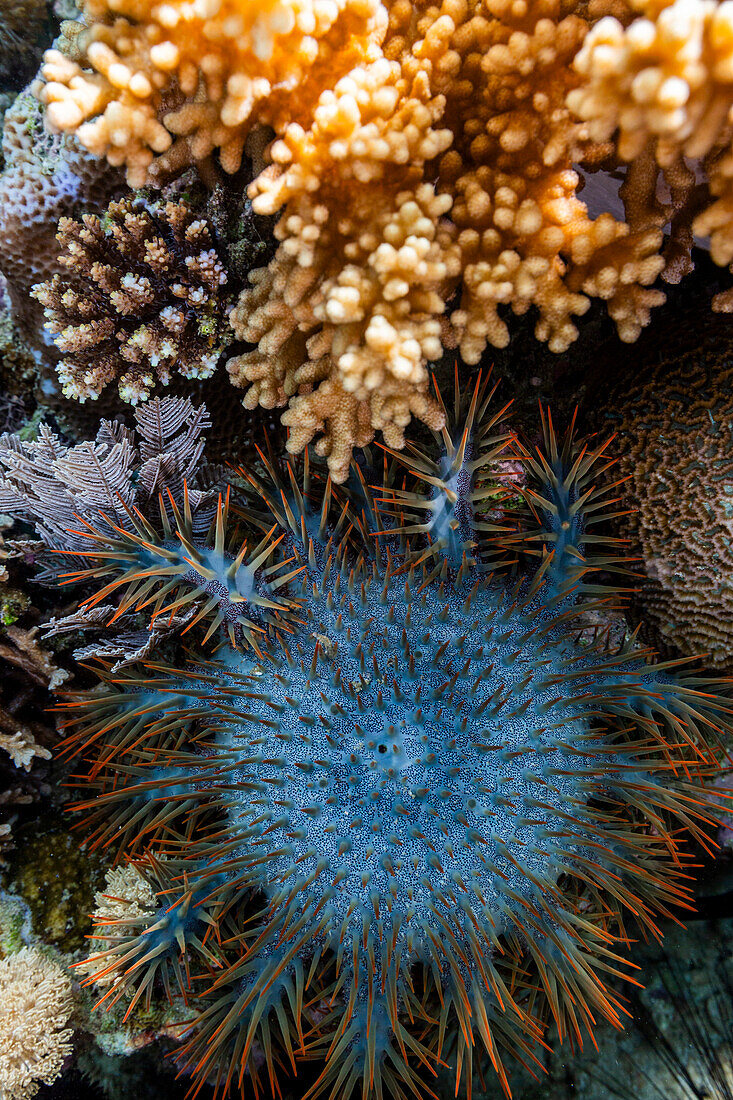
(402, 805)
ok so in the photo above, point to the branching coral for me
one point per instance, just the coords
(483, 87)
(662, 87)
(409, 806)
(675, 444)
(140, 297)
(428, 150)
(203, 74)
(35, 994)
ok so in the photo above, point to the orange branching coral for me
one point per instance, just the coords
(470, 96)
(663, 87)
(505, 70)
(424, 155)
(163, 85)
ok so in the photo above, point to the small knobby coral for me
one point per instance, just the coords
(172, 82)
(35, 995)
(676, 453)
(140, 297)
(402, 808)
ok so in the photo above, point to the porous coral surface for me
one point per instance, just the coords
(44, 178)
(139, 298)
(411, 804)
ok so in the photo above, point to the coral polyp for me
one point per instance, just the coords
(407, 801)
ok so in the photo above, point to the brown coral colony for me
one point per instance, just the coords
(140, 297)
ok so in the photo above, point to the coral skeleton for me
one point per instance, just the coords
(399, 814)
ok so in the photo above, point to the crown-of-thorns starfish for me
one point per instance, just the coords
(413, 793)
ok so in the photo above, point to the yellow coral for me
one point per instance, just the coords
(470, 95)
(35, 1005)
(171, 82)
(423, 155)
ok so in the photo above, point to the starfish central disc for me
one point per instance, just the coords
(410, 762)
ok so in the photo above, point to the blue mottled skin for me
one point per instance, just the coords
(415, 761)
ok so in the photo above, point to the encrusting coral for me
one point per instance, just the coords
(675, 452)
(45, 177)
(35, 995)
(139, 298)
(420, 151)
(400, 812)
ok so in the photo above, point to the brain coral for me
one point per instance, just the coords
(403, 809)
(676, 443)
(140, 296)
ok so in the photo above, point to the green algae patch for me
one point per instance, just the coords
(13, 604)
(14, 924)
(57, 879)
